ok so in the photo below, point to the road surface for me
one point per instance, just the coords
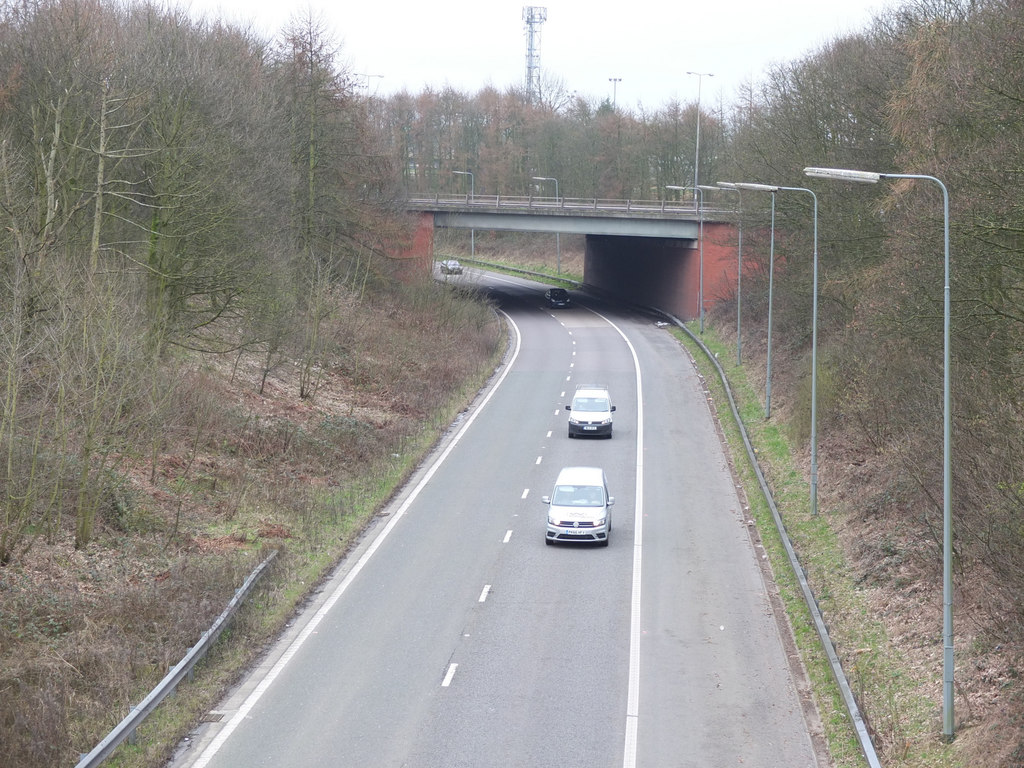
(455, 637)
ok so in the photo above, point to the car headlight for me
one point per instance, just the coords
(601, 522)
(606, 422)
(573, 420)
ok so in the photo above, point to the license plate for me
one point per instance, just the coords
(577, 531)
(590, 428)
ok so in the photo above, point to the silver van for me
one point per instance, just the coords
(590, 412)
(579, 507)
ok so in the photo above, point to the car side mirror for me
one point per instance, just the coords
(545, 499)
(613, 407)
(568, 407)
(611, 501)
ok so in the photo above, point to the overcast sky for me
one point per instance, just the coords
(649, 45)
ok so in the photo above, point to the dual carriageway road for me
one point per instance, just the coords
(454, 637)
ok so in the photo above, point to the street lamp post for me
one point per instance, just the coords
(739, 270)
(814, 331)
(615, 82)
(696, 160)
(771, 294)
(698, 196)
(771, 299)
(558, 241)
(472, 195)
(868, 177)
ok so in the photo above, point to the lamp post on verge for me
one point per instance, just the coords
(472, 195)
(771, 293)
(615, 82)
(558, 242)
(698, 197)
(696, 159)
(869, 177)
(814, 331)
(739, 270)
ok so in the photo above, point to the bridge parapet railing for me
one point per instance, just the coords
(552, 204)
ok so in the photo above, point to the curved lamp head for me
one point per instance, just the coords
(842, 174)
(756, 187)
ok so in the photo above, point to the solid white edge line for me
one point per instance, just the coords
(257, 693)
(633, 695)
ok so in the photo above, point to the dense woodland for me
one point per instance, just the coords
(183, 201)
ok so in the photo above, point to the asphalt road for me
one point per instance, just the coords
(455, 637)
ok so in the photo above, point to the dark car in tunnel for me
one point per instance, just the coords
(558, 298)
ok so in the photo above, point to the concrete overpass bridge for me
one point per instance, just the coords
(641, 252)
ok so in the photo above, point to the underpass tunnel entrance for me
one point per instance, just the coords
(652, 271)
(664, 272)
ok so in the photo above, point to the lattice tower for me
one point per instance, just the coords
(534, 16)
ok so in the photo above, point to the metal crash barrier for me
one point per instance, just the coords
(125, 730)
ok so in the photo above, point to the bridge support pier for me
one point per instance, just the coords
(416, 256)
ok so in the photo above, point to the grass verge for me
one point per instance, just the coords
(900, 719)
(563, 278)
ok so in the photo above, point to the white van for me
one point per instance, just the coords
(579, 507)
(590, 412)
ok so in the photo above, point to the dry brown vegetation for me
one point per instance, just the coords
(194, 217)
(878, 575)
(86, 631)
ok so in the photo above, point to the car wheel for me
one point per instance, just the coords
(547, 541)
(571, 435)
(605, 542)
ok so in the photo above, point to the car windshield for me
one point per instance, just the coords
(578, 496)
(590, 404)
(558, 293)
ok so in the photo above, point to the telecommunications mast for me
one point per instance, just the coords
(534, 16)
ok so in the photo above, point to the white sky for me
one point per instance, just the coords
(649, 44)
